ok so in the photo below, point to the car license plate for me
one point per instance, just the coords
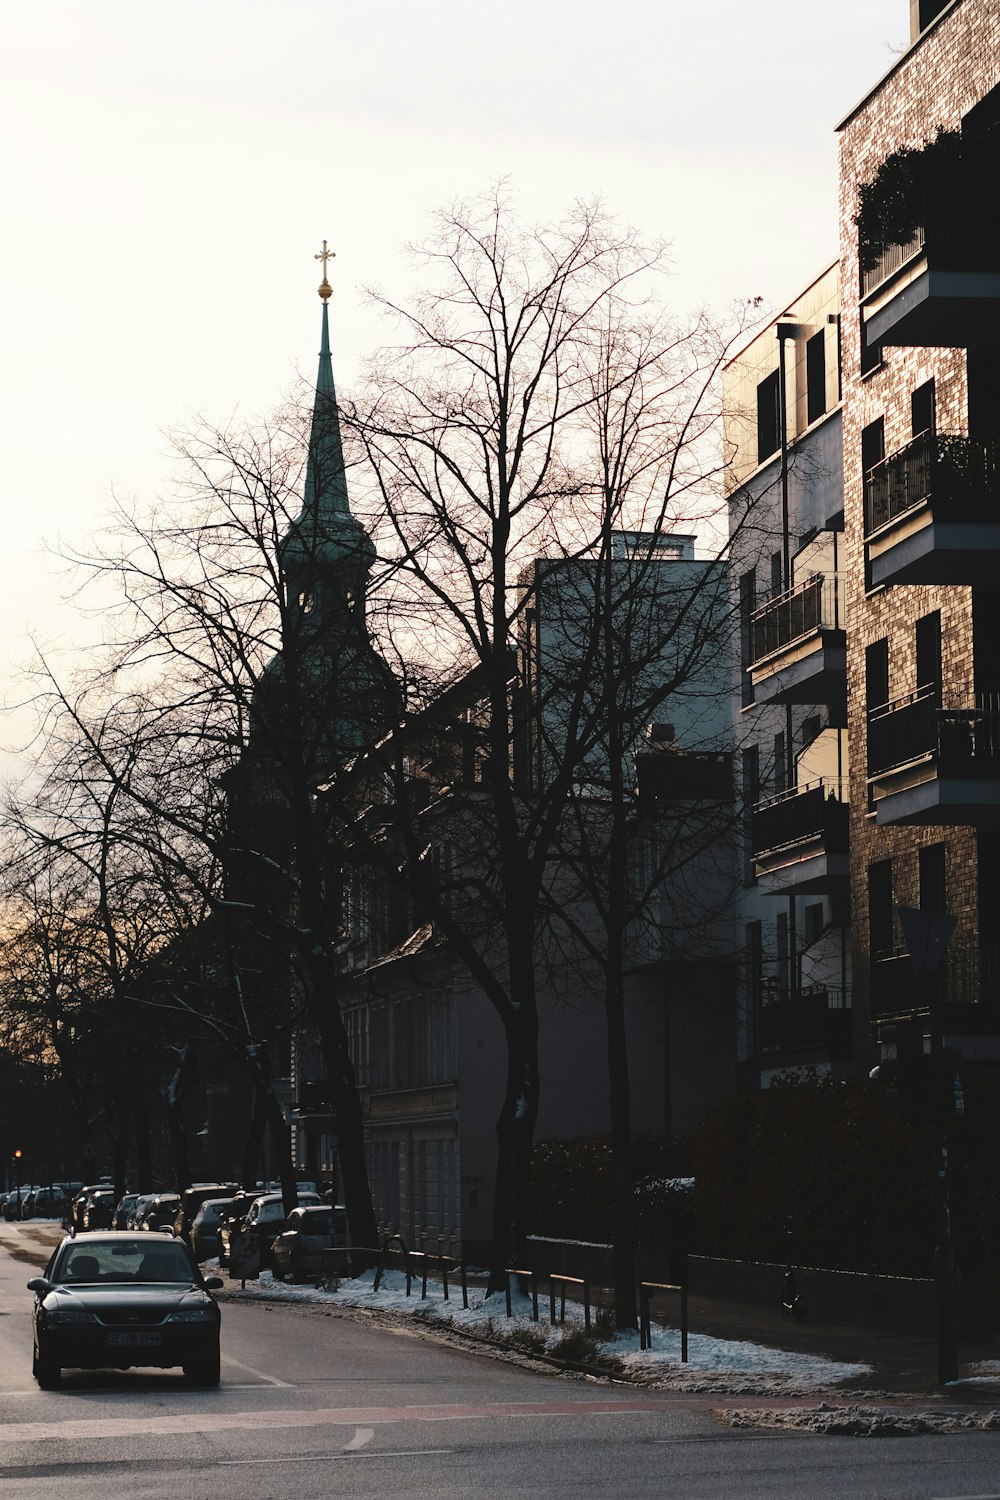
(131, 1340)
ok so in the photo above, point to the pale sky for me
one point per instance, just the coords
(169, 171)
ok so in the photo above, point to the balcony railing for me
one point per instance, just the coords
(816, 810)
(817, 604)
(889, 260)
(960, 474)
(965, 740)
(812, 1017)
(971, 981)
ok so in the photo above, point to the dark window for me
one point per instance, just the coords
(984, 395)
(922, 408)
(928, 634)
(811, 727)
(751, 794)
(748, 603)
(755, 973)
(768, 423)
(877, 674)
(779, 776)
(880, 932)
(873, 444)
(931, 868)
(813, 922)
(777, 572)
(876, 690)
(871, 354)
(781, 948)
(815, 376)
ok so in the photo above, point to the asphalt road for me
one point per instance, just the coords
(320, 1404)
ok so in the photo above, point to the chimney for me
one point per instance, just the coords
(922, 13)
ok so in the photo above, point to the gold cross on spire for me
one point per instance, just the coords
(325, 289)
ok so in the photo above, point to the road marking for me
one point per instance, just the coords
(329, 1458)
(285, 1385)
(94, 1428)
(361, 1439)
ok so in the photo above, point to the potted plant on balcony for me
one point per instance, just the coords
(894, 205)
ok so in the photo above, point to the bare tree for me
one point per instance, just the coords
(487, 432)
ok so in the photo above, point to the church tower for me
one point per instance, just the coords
(326, 694)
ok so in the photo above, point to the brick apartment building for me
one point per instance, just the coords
(870, 592)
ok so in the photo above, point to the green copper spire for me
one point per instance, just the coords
(325, 533)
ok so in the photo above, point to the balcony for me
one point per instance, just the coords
(798, 645)
(932, 512)
(800, 840)
(812, 1019)
(929, 253)
(971, 995)
(929, 764)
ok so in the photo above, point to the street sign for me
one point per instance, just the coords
(926, 934)
(244, 1257)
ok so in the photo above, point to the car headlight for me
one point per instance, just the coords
(63, 1317)
(192, 1315)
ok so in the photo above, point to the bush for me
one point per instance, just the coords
(817, 1173)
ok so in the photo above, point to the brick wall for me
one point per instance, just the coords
(952, 66)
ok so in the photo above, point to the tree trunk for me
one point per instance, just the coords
(255, 1135)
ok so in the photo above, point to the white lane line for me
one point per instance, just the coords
(286, 1385)
(329, 1458)
(361, 1439)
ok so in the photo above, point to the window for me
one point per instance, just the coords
(928, 634)
(876, 694)
(815, 376)
(755, 976)
(931, 870)
(751, 794)
(779, 773)
(777, 573)
(872, 444)
(922, 409)
(748, 603)
(871, 354)
(812, 922)
(984, 395)
(880, 914)
(768, 418)
(781, 948)
(877, 674)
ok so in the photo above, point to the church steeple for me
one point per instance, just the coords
(325, 536)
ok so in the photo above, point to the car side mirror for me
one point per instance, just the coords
(213, 1283)
(39, 1284)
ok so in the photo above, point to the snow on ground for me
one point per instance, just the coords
(726, 1365)
(863, 1421)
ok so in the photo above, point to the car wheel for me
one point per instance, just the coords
(203, 1371)
(46, 1372)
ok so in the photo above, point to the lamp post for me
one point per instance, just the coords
(927, 935)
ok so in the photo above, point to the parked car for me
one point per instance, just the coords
(160, 1212)
(14, 1200)
(119, 1300)
(299, 1249)
(139, 1207)
(99, 1209)
(193, 1197)
(123, 1210)
(266, 1217)
(51, 1202)
(233, 1217)
(203, 1236)
(79, 1202)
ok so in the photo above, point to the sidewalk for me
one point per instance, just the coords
(903, 1362)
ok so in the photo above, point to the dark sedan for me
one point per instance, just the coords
(114, 1301)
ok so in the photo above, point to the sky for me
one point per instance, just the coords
(170, 171)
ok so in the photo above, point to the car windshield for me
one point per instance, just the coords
(128, 1261)
(315, 1221)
